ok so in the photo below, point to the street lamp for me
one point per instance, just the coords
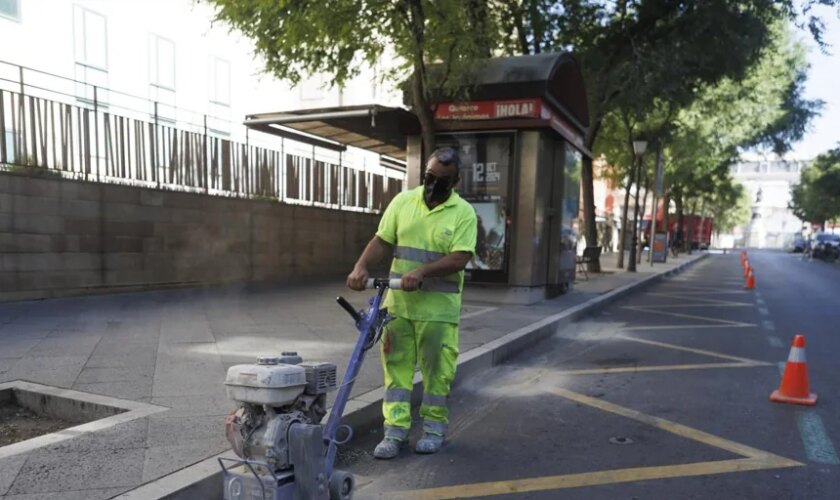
(639, 148)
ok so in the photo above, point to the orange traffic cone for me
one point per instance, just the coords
(746, 268)
(794, 386)
(750, 284)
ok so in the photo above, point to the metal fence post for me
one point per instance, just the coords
(155, 166)
(339, 178)
(96, 129)
(311, 178)
(20, 140)
(206, 170)
(247, 152)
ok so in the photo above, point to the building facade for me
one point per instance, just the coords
(768, 184)
(155, 85)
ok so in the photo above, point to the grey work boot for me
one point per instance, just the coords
(388, 448)
(429, 443)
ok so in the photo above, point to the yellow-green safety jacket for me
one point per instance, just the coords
(418, 236)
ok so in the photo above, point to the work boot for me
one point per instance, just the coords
(388, 448)
(429, 443)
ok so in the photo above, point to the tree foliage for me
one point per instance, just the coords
(341, 37)
(635, 55)
(816, 198)
(763, 108)
(638, 57)
(729, 205)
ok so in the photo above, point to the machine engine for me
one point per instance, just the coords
(272, 395)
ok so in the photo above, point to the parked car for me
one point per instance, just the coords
(799, 244)
(825, 246)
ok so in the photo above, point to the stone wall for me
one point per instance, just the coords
(64, 237)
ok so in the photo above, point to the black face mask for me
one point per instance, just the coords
(437, 189)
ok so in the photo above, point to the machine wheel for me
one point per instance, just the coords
(341, 485)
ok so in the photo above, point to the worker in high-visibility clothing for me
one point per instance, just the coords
(431, 233)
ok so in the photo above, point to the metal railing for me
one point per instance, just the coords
(77, 130)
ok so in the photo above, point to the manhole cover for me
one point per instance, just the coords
(621, 440)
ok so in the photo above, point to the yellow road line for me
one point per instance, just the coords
(660, 368)
(679, 306)
(689, 287)
(693, 349)
(566, 481)
(673, 427)
(704, 300)
(683, 315)
(755, 459)
(672, 327)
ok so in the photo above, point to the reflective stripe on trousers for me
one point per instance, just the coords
(433, 346)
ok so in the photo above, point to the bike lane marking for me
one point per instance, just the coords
(818, 445)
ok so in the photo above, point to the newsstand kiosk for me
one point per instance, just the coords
(520, 137)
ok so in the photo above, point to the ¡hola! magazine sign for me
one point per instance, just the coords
(489, 110)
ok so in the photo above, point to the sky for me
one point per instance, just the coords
(823, 83)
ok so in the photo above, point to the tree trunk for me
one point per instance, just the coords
(644, 207)
(424, 114)
(621, 238)
(631, 265)
(666, 220)
(692, 230)
(588, 193)
(419, 96)
(680, 233)
(477, 10)
(589, 225)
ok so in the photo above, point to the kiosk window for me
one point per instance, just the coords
(485, 177)
(571, 197)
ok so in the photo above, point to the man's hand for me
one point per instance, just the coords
(411, 281)
(357, 280)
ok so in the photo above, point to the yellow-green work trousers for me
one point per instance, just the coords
(434, 346)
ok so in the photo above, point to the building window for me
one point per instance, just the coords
(220, 80)
(162, 77)
(10, 9)
(90, 31)
(219, 119)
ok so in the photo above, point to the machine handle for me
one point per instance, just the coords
(394, 283)
(347, 307)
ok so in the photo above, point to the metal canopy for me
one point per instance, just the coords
(553, 77)
(375, 128)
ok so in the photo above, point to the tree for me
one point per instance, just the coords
(633, 51)
(765, 108)
(730, 206)
(340, 37)
(816, 199)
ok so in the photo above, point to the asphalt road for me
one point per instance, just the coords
(663, 395)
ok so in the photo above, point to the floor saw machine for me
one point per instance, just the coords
(285, 453)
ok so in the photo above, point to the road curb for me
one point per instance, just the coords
(203, 480)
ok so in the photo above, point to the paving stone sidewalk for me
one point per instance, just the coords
(171, 348)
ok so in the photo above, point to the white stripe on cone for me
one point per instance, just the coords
(797, 355)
